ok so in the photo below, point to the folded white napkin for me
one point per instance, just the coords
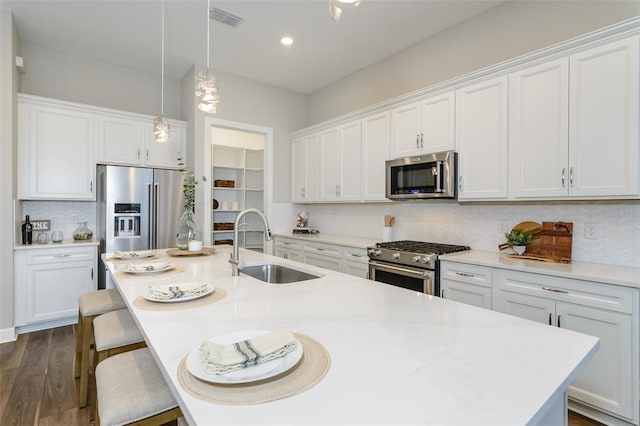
(221, 359)
(125, 254)
(177, 291)
(148, 267)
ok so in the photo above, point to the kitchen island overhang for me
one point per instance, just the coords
(397, 357)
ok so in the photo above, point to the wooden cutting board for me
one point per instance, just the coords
(553, 243)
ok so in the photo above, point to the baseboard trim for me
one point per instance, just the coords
(597, 415)
(8, 335)
(46, 325)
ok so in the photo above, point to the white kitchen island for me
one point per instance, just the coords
(397, 357)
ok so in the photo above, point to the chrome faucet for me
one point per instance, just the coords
(234, 259)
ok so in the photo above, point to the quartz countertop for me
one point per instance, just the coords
(341, 240)
(608, 274)
(397, 356)
(64, 243)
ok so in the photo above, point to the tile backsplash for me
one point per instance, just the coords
(482, 225)
(61, 214)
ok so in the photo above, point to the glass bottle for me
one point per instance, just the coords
(27, 231)
(188, 229)
(82, 232)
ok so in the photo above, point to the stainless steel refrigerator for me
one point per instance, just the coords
(138, 209)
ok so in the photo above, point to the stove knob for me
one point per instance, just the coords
(377, 252)
(416, 259)
(396, 255)
(371, 252)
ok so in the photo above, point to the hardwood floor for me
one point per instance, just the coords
(37, 385)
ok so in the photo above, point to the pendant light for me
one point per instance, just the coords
(335, 11)
(206, 84)
(161, 127)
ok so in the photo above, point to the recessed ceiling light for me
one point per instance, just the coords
(286, 40)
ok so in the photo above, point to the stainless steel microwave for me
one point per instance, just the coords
(422, 177)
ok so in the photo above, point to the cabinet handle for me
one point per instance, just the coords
(464, 274)
(442, 293)
(147, 153)
(61, 255)
(138, 154)
(91, 274)
(460, 183)
(559, 316)
(91, 186)
(570, 176)
(355, 255)
(421, 140)
(555, 290)
(417, 141)
(286, 255)
(563, 170)
(550, 315)
(320, 249)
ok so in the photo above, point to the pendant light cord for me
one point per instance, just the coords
(162, 68)
(208, 31)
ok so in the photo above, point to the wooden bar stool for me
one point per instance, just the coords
(90, 305)
(131, 389)
(113, 333)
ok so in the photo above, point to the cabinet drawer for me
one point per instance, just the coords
(355, 254)
(597, 295)
(288, 243)
(322, 261)
(60, 254)
(462, 272)
(323, 249)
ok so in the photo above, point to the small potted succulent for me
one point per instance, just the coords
(519, 240)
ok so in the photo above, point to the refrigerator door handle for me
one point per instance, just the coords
(152, 213)
(154, 223)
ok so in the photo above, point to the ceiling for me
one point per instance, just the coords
(128, 33)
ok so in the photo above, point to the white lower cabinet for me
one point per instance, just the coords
(48, 283)
(347, 259)
(464, 283)
(610, 381)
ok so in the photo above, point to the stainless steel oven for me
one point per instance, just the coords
(412, 265)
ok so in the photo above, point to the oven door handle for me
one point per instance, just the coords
(402, 271)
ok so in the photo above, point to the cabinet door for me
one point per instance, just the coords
(607, 380)
(466, 293)
(539, 135)
(119, 139)
(603, 121)
(375, 151)
(350, 161)
(298, 169)
(356, 269)
(165, 154)
(58, 153)
(481, 140)
(327, 262)
(331, 165)
(438, 123)
(524, 306)
(405, 130)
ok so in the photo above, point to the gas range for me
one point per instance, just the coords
(412, 253)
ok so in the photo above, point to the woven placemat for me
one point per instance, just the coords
(217, 295)
(132, 259)
(311, 368)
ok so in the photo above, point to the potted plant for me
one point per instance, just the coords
(519, 240)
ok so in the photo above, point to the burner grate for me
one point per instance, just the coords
(421, 247)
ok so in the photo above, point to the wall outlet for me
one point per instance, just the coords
(591, 231)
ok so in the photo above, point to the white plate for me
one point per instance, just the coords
(147, 295)
(133, 254)
(148, 268)
(249, 374)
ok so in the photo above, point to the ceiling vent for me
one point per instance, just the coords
(225, 17)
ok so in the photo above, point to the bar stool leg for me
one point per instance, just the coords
(78, 357)
(87, 329)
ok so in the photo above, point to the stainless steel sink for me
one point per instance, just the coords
(276, 274)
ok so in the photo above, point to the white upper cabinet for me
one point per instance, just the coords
(603, 120)
(375, 151)
(539, 135)
(341, 162)
(305, 169)
(119, 139)
(165, 155)
(127, 139)
(481, 140)
(55, 151)
(423, 127)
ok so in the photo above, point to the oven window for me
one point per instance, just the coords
(414, 284)
(414, 179)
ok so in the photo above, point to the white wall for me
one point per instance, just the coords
(60, 75)
(9, 83)
(504, 32)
